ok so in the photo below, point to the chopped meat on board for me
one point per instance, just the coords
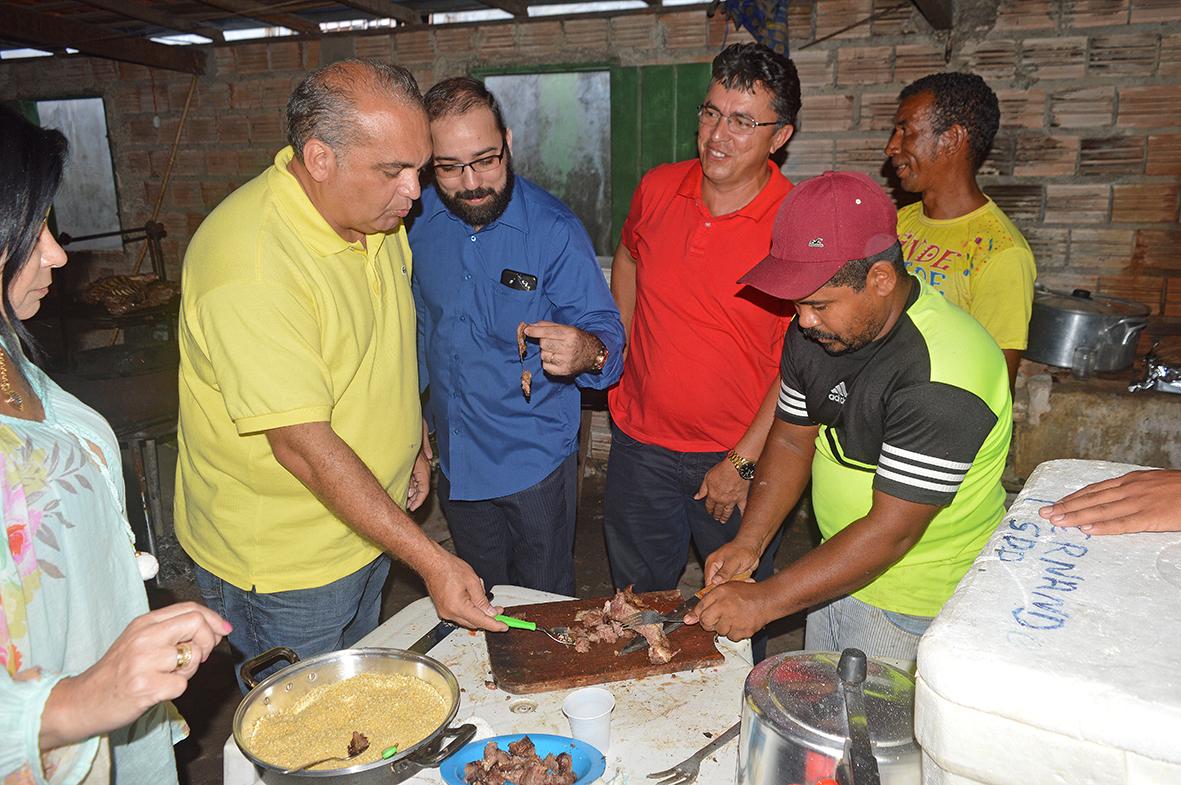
(520, 766)
(659, 650)
(603, 625)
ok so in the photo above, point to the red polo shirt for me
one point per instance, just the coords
(703, 350)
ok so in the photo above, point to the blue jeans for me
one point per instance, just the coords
(650, 517)
(523, 539)
(310, 621)
(885, 635)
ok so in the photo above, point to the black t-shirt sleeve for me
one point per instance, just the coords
(933, 432)
(792, 406)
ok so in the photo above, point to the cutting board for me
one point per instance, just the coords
(524, 662)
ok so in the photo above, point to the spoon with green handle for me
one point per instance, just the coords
(560, 634)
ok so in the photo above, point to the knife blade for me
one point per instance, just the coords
(433, 638)
(436, 634)
(676, 619)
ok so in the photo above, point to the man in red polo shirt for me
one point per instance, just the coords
(698, 391)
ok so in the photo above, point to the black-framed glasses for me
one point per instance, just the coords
(738, 123)
(454, 171)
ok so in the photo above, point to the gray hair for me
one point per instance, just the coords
(324, 105)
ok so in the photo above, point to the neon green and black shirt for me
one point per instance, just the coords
(922, 414)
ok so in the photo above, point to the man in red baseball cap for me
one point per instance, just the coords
(895, 404)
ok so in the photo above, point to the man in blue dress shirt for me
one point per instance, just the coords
(493, 250)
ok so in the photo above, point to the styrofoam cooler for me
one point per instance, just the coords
(1058, 660)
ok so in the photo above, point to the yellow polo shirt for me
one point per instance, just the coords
(284, 322)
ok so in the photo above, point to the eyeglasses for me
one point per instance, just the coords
(455, 171)
(738, 123)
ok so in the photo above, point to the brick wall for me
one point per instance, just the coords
(1087, 162)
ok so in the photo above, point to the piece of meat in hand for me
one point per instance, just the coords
(527, 385)
(521, 340)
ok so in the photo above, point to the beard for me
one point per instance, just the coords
(846, 345)
(481, 214)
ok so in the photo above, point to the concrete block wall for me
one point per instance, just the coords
(1087, 162)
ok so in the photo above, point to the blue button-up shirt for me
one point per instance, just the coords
(491, 441)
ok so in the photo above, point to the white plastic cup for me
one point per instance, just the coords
(589, 711)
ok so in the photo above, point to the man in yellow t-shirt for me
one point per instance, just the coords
(300, 426)
(955, 238)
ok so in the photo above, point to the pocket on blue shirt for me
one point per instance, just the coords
(502, 309)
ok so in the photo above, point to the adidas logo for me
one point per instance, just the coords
(838, 393)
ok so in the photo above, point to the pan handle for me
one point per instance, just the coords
(462, 735)
(430, 755)
(255, 664)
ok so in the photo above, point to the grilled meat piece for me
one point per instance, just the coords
(526, 376)
(527, 385)
(521, 340)
(358, 745)
(522, 747)
(520, 765)
(659, 650)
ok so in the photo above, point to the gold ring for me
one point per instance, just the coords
(184, 655)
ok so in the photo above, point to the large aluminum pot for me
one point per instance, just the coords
(794, 727)
(289, 685)
(1107, 326)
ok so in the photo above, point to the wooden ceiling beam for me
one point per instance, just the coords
(145, 13)
(385, 8)
(46, 31)
(940, 14)
(514, 7)
(262, 13)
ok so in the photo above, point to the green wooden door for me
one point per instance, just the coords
(653, 121)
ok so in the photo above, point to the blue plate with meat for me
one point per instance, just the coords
(585, 763)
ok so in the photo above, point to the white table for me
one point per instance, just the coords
(658, 721)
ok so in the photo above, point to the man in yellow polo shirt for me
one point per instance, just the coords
(300, 427)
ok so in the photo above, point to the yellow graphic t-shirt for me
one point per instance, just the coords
(979, 261)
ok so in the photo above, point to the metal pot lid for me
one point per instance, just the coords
(1083, 301)
(799, 695)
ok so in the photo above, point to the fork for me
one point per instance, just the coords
(649, 616)
(687, 770)
(646, 616)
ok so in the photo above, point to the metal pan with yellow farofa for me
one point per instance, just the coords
(311, 709)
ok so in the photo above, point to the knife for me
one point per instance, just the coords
(676, 619)
(436, 634)
(433, 638)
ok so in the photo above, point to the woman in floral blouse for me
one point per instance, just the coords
(85, 670)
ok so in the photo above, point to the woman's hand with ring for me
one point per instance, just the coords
(151, 661)
(184, 654)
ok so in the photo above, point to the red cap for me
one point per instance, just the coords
(823, 223)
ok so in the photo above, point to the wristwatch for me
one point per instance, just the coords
(600, 358)
(744, 466)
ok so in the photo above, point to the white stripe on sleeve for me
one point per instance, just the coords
(922, 471)
(919, 458)
(793, 402)
(917, 483)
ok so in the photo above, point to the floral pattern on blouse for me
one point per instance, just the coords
(69, 585)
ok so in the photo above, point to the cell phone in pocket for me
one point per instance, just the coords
(521, 281)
